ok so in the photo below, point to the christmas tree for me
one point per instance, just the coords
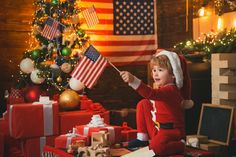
(57, 45)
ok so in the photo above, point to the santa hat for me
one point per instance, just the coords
(182, 78)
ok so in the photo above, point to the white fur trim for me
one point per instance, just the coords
(142, 136)
(153, 112)
(136, 83)
(176, 66)
(187, 104)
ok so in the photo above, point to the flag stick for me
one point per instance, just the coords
(113, 66)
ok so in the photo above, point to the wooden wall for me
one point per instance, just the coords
(15, 17)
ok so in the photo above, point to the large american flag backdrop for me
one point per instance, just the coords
(126, 33)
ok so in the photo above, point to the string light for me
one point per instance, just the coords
(221, 42)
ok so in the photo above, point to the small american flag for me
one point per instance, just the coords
(50, 29)
(90, 67)
(90, 16)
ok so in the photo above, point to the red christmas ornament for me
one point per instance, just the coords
(32, 93)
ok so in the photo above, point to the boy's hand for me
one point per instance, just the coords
(127, 76)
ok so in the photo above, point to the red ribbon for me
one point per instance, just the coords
(125, 126)
(97, 107)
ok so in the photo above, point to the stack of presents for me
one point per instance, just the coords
(42, 129)
(26, 128)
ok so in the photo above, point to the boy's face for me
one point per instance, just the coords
(161, 76)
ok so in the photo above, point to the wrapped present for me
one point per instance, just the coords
(85, 103)
(6, 113)
(106, 116)
(34, 147)
(127, 133)
(34, 120)
(123, 115)
(97, 124)
(70, 119)
(12, 147)
(63, 141)
(97, 107)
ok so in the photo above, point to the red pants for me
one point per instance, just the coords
(162, 141)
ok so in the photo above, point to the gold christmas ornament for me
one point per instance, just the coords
(59, 79)
(69, 100)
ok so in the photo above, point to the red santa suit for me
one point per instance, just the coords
(160, 117)
(165, 111)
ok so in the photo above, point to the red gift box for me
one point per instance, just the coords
(33, 120)
(6, 113)
(34, 147)
(12, 147)
(106, 116)
(127, 133)
(85, 103)
(114, 132)
(63, 141)
(70, 119)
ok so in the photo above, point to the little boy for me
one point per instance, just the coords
(160, 117)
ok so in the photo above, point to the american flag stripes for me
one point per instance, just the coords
(90, 16)
(126, 33)
(90, 67)
(50, 29)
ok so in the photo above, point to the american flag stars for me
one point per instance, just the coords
(134, 17)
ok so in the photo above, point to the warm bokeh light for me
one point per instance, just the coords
(234, 23)
(220, 23)
(201, 11)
